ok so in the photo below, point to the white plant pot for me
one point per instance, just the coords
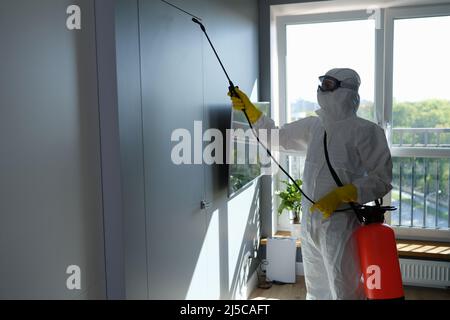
(292, 217)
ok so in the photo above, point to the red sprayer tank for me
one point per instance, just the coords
(379, 261)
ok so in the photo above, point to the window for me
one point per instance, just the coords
(315, 48)
(404, 66)
(421, 121)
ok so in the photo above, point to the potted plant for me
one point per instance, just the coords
(290, 200)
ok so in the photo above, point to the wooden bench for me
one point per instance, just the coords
(406, 248)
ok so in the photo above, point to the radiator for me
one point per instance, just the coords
(425, 273)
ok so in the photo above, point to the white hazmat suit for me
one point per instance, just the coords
(360, 155)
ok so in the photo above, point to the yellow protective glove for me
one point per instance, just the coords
(328, 204)
(243, 103)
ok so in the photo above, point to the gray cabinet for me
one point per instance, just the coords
(171, 69)
(168, 78)
(50, 166)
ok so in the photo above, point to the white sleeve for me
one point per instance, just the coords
(292, 137)
(376, 160)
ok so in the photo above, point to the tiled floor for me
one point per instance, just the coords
(297, 291)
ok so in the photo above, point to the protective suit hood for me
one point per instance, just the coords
(341, 103)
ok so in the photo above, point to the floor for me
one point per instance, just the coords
(297, 291)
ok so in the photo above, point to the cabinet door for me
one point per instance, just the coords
(50, 178)
(233, 223)
(171, 68)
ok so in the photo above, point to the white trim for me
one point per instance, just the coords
(324, 17)
(274, 61)
(417, 152)
(251, 285)
(411, 233)
(388, 68)
(282, 75)
(423, 11)
(379, 72)
(345, 5)
(274, 67)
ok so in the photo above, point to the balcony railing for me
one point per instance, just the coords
(421, 137)
(421, 180)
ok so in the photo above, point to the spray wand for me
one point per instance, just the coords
(233, 93)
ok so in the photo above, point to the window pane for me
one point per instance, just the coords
(421, 118)
(313, 49)
(421, 106)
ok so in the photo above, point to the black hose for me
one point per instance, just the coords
(273, 158)
(233, 92)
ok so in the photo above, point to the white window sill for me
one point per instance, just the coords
(409, 233)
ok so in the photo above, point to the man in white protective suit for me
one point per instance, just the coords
(359, 153)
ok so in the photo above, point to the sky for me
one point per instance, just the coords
(421, 57)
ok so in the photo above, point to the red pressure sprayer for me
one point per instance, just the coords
(378, 258)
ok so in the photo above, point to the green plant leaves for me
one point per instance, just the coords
(290, 198)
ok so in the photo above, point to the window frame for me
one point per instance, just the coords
(283, 21)
(383, 90)
(281, 50)
(391, 15)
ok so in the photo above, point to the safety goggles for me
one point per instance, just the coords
(329, 83)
